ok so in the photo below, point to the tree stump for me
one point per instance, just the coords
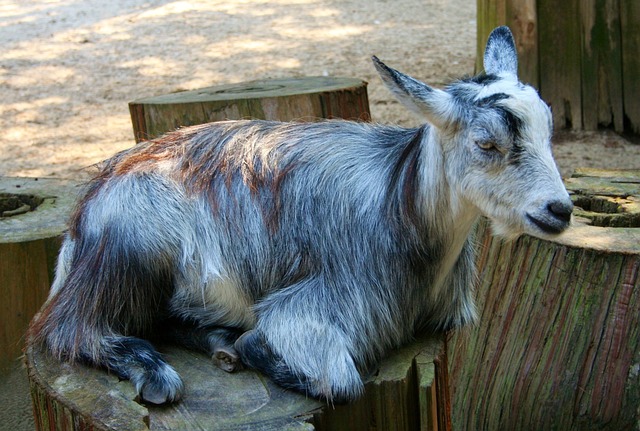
(276, 99)
(409, 392)
(33, 214)
(558, 340)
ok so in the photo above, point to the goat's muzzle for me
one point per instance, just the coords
(553, 218)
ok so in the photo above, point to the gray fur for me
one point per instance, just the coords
(326, 244)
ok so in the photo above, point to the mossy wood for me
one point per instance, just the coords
(409, 392)
(581, 54)
(293, 99)
(558, 340)
(33, 214)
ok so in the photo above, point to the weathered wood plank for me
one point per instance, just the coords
(490, 13)
(481, 35)
(630, 39)
(560, 75)
(582, 55)
(522, 18)
(601, 64)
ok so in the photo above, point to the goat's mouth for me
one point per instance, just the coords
(548, 225)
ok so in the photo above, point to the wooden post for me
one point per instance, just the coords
(630, 39)
(33, 214)
(407, 393)
(602, 64)
(523, 18)
(558, 340)
(560, 75)
(276, 99)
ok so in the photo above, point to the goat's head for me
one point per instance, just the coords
(494, 134)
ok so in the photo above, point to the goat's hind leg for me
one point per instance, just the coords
(332, 377)
(257, 354)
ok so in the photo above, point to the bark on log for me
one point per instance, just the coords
(277, 99)
(407, 393)
(558, 340)
(33, 214)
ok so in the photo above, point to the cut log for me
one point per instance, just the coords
(294, 99)
(33, 214)
(407, 393)
(558, 340)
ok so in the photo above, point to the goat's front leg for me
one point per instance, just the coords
(300, 347)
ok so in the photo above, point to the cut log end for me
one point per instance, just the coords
(405, 394)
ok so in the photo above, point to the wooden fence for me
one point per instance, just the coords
(583, 56)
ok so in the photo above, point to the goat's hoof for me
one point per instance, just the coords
(161, 388)
(227, 359)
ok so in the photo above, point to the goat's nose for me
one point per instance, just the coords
(561, 209)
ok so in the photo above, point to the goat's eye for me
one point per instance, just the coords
(486, 145)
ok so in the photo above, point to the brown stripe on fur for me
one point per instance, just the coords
(167, 147)
(279, 176)
(228, 152)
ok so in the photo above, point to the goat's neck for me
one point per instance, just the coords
(449, 215)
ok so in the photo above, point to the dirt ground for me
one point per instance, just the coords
(68, 68)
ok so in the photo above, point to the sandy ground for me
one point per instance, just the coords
(68, 68)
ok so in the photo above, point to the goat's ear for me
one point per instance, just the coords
(436, 105)
(500, 55)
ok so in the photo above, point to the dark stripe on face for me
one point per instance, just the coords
(513, 123)
(514, 126)
(483, 79)
(490, 101)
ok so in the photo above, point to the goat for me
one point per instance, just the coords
(303, 250)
